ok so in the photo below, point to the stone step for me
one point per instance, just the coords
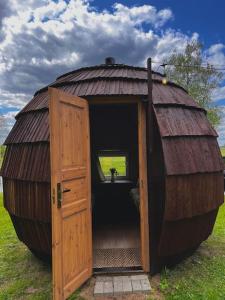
(114, 285)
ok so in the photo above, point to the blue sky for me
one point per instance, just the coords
(205, 17)
(41, 39)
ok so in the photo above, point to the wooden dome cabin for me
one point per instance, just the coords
(159, 208)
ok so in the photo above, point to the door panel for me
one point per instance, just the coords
(71, 192)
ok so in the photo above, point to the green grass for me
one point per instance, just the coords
(222, 149)
(2, 152)
(117, 162)
(22, 276)
(200, 277)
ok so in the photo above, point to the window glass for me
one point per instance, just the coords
(117, 162)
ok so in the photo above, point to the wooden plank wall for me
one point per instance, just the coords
(193, 174)
(26, 181)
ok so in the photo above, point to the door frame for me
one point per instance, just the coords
(143, 187)
(142, 165)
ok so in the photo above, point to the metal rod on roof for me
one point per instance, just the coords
(150, 170)
(150, 105)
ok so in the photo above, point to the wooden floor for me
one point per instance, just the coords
(116, 245)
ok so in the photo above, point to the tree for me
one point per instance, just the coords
(2, 148)
(2, 121)
(186, 70)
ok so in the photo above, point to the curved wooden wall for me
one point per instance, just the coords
(186, 181)
(26, 181)
(193, 174)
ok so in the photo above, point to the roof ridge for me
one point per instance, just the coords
(103, 66)
(66, 83)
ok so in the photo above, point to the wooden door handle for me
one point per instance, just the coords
(66, 190)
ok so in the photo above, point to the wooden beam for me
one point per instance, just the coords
(143, 187)
(113, 100)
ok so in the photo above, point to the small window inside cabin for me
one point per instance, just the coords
(117, 160)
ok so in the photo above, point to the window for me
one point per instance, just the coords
(114, 159)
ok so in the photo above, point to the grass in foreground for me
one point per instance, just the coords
(22, 276)
(200, 277)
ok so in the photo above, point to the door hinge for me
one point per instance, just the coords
(59, 195)
(53, 195)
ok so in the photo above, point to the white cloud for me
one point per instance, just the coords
(11, 100)
(10, 115)
(219, 93)
(215, 55)
(8, 122)
(172, 41)
(43, 39)
(143, 14)
(221, 127)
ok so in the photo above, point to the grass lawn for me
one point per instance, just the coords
(2, 152)
(117, 162)
(200, 277)
(222, 149)
(22, 276)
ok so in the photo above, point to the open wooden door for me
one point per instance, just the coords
(71, 192)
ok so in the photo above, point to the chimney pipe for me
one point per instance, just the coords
(110, 61)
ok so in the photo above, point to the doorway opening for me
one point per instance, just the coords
(115, 168)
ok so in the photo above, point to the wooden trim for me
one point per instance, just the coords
(90, 271)
(113, 100)
(143, 184)
(57, 279)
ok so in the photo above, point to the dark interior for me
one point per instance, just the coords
(114, 211)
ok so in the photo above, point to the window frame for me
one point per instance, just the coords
(116, 153)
